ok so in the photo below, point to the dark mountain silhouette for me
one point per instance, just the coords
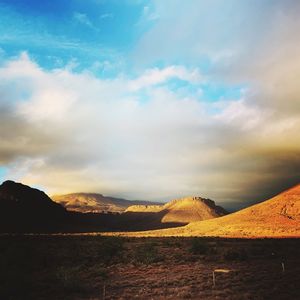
(22, 208)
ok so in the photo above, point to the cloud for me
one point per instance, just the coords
(226, 32)
(240, 113)
(107, 16)
(156, 76)
(67, 132)
(83, 19)
(243, 42)
(148, 14)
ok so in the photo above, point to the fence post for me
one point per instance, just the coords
(283, 267)
(104, 292)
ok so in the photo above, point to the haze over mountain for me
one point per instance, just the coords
(276, 217)
(95, 202)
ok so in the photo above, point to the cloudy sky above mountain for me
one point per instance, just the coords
(151, 99)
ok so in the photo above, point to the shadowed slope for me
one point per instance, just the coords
(23, 208)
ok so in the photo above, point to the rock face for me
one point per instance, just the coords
(185, 210)
(96, 203)
(23, 208)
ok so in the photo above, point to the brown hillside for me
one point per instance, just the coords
(185, 210)
(277, 217)
(144, 208)
(93, 202)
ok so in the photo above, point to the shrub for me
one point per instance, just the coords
(235, 255)
(69, 279)
(198, 246)
(98, 271)
(110, 247)
(147, 253)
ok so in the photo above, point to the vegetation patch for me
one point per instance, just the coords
(147, 253)
(199, 246)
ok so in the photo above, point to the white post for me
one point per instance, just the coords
(283, 268)
(104, 292)
(214, 278)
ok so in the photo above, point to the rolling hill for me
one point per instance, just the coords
(276, 217)
(185, 210)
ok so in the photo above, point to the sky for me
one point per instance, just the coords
(151, 100)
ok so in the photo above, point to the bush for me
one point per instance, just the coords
(147, 254)
(198, 246)
(98, 271)
(69, 279)
(111, 247)
(235, 255)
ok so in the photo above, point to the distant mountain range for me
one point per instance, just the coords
(24, 209)
(96, 203)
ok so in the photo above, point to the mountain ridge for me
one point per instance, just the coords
(96, 202)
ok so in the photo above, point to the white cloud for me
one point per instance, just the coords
(83, 19)
(107, 16)
(2, 52)
(148, 14)
(240, 113)
(156, 76)
(75, 132)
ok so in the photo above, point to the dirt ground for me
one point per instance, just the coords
(95, 267)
